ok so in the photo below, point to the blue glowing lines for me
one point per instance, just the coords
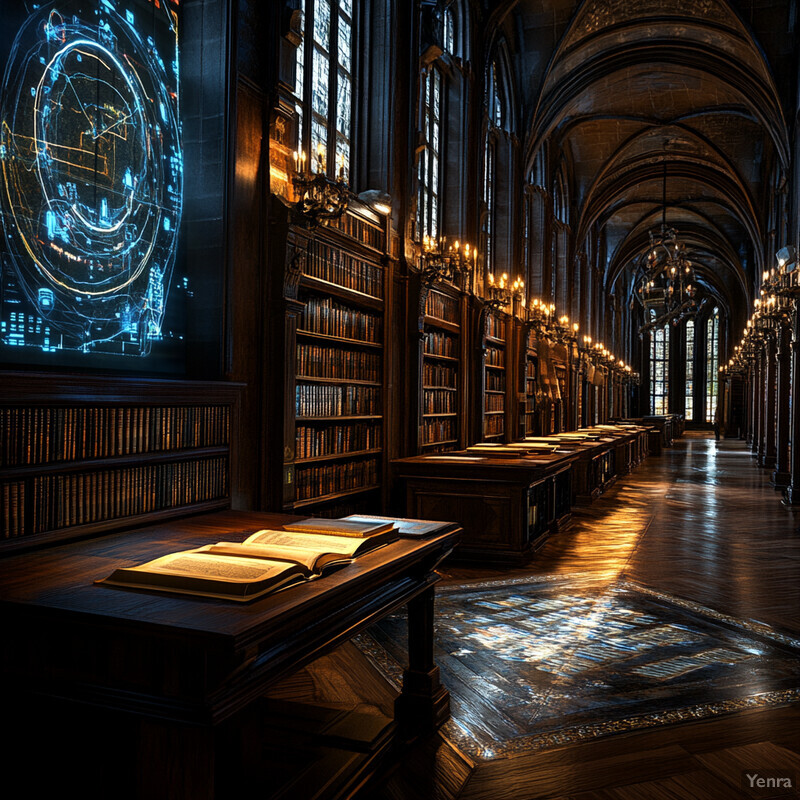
(92, 166)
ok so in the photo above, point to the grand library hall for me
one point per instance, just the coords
(399, 399)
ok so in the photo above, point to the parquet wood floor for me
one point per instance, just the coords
(699, 522)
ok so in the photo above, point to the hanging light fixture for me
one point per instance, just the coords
(665, 282)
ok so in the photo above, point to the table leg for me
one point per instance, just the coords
(423, 703)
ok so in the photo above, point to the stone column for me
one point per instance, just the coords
(748, 406)
(758, 402)
(755, 394)
(769, 448)
(781, 476)
(792, 494)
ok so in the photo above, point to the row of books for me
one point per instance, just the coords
(61, 501)
(12, 495)
(318, 361)
(44, 434)
(437, 401)
(530, 369)
(442, 306)
(439, 430)
(494, 402)
(495, 356)
(335, 266)
(496, 328)
(326, 479)
(319, 400)
(440, 344)
(493, 424)
(314, 441)
(346, 506)
(496, 381)
(329, 317)
(437, 374)
(364, 232)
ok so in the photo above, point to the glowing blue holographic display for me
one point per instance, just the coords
(92, 168)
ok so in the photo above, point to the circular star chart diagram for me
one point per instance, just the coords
(91, 160)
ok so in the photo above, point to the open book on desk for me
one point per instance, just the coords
(242, 571)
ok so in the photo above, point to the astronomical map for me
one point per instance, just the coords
(92, 173)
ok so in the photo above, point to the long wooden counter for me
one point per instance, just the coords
(507, 507)
(604, 453)
(146, 688)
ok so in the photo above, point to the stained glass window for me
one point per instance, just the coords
(659, 370)
(689, 406)
(449, 31)
(429, 159)
(326, 100)
(712, 364)
(488, 199)
(495, 121)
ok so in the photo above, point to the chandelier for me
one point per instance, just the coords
(665, 282)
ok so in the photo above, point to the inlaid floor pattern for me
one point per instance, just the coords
(696, 541)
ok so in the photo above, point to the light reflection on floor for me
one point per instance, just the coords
(535, 663)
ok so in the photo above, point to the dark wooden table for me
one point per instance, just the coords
(167, 671)
(507, 507)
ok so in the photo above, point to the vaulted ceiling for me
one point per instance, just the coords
(616, 93)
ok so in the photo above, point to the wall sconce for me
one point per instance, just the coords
(541, 314)
(451, 263)
(380, 202)
(786, 258)
(320, 198)
(500, 294)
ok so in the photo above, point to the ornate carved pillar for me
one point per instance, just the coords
(769, 448)
(781, 475)
(792, 494)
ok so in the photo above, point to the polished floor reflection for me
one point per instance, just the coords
(533, 664)
(675, 597)
(695, 538)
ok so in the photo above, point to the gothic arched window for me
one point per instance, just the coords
(325, 101)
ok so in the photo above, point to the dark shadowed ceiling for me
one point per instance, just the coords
(613, 92)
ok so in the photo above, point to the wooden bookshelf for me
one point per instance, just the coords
(441, 395)
(495, 363)
(83, 455)
(530, 373)
(339, 413)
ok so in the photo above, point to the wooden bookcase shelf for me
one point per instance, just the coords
(335, 496)
(441, 395)
(335, 429)
(88, 454)
(531, 373)
(494, 379)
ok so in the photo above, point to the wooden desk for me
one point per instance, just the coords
(506, 507)
(168, 672)
(670, 425)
